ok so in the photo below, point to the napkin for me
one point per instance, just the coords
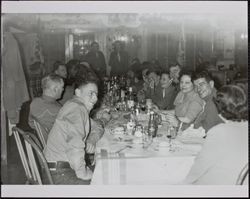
(192, 132)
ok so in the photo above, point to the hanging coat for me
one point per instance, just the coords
(15, 90)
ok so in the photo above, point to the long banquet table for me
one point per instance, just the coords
(124, 160)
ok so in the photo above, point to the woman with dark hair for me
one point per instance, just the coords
(187, 103)
(225, 151)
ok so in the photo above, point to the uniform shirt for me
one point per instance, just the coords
(210, 116)
(66, 140)
(45, 110)
(71, 130)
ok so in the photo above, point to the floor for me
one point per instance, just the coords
(14, 173)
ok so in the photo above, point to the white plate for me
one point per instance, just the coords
(191, 140)
(164, 144)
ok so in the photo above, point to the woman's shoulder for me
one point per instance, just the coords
(194, 96)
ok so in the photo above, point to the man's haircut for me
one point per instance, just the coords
(93, 43)
(57, 64)
(165, 72)
(154, 70)
(82, 81)
(202, 74)
(174, 64)
(72, 63)
(85, 72)
(48, 80)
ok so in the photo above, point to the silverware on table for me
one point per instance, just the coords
(128, 146)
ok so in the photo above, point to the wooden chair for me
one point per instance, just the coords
(242, 176)
(31, 163)
(42, 132)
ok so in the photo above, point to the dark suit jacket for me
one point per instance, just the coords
(118, 67)
(166, 102)
(97, 61)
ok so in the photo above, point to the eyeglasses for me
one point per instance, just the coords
(93, 94)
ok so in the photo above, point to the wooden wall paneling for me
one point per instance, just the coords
(144, 47)
(162, 49)
(172, 47)
(53, 48)
(241, 50)
(151, 47)
(190, 51)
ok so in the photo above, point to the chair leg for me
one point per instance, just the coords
(22, 155)
(34, 169)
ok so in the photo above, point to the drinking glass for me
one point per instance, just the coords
(143, 105)
(146, 138)
(171, 134)
(149, 103)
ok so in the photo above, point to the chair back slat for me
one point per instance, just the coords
(42, 132)
(32, 161)
(22, 154)
(31, 166)
(36, 140)
(242, 176)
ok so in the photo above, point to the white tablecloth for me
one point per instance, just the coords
(142, 171)
(121, 160)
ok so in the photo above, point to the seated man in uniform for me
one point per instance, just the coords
(204, 85)
(67, 141)
(45, 108)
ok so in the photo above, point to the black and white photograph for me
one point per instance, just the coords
(126, 98)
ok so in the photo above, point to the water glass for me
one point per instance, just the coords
(171, 134)
(149, 104)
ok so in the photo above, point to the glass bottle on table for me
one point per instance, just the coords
(156, 122)
(122, 100)
(122, 82)
(130, 101)
(151, 125)
(116, 91)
